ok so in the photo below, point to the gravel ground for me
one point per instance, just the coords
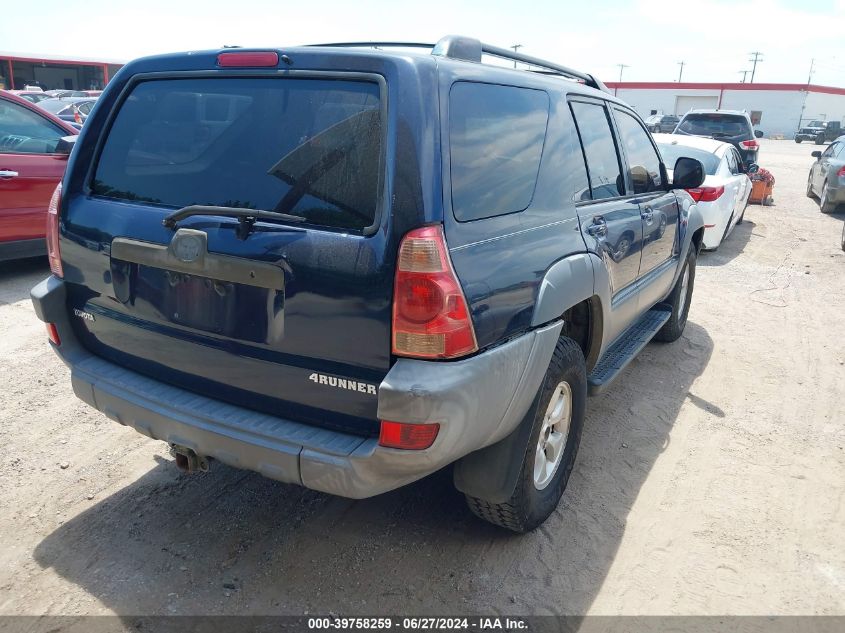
(710, 478)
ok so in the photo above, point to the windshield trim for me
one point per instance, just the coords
(280, 74)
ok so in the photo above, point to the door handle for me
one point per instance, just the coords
(8, 173)
(598, 228)
(647, 215)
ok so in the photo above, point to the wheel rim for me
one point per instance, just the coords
(684, 288)
(553, 435)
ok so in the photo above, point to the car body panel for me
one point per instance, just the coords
(25, 196)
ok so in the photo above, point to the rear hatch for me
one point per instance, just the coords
(287, 314)
(729, 128)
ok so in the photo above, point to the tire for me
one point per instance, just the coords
(797, 140)
(810, 193)
(843, 236)
(679, 299)
(532, 503)
(826, 205)
(725, 234)
(742, 215)
(820, 140)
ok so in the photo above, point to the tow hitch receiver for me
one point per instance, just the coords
(187, 460)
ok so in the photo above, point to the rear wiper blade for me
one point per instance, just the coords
(245, 215)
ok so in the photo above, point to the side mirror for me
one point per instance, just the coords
(688, 173)
(752, 168)
(66, 144)
(816, 154)
(758, 134)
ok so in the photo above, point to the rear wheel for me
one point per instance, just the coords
(843, 236)
(797, 140)
(680, 301)
(825, 204)
(820, 140)
(810, 192)
(552, 445)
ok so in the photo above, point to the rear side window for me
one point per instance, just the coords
(307, 147)
(496, 136)
(600, 151)
(716, 125)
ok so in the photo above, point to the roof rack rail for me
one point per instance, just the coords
(471, 49)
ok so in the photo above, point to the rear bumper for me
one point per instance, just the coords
(477, 402)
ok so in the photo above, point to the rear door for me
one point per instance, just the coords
(658, 205)
(29, 170)
(287, 316)
(610, 219)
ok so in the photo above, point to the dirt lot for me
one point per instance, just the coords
(710, 480)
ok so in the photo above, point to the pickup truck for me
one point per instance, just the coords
(346, 267)
(819, 132)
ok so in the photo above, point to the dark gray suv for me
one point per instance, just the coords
(729, 126)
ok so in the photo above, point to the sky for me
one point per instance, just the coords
(713, 37)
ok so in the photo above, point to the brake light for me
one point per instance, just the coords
(77, 117)
(750, 144)
(841, 172)
(415, 437)
(53, 334)
(430, 314)
(247, 59)
(53, 252)
(706, 194)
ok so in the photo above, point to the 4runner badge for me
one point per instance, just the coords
(343, 383)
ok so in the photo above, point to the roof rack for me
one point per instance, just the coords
(471, 49)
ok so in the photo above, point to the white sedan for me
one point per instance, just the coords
(723, 196)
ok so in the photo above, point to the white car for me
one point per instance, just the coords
(723, 196)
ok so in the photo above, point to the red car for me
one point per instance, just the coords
(33, 156)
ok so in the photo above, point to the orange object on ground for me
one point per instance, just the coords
(761, 192)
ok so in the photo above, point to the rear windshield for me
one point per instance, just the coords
(54, 105)
(496, 136)
(307, 147)
(671, 154)
(715, 125)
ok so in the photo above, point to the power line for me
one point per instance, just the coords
(681, 73)
(757, 58)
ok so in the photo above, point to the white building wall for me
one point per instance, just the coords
(780, 109)
(825, 106)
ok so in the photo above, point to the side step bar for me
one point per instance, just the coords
(624, 349)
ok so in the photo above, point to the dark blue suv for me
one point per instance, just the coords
(346, 268)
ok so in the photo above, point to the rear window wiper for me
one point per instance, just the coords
(247, 217)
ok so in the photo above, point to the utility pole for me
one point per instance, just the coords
(744, 73)
(810, 76)
(621, 68)
(757, 58)
(681, 74)
(516, 48)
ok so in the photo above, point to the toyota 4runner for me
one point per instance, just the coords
(346, 268)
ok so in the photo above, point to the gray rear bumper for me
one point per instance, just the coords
(476, 401)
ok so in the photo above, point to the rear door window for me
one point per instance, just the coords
(307, 147)
(599, 149)
(496, 137)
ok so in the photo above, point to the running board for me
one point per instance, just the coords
(625, 348)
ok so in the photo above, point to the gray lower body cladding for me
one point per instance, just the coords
(476, 401)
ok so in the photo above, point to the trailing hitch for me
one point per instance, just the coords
(187, 460)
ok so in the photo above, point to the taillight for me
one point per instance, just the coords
(413, 437)
(247, 59)
(53, 334)
(750, 144)
(706, 194)
(430, 314)
(53, 252)
(841, 172)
